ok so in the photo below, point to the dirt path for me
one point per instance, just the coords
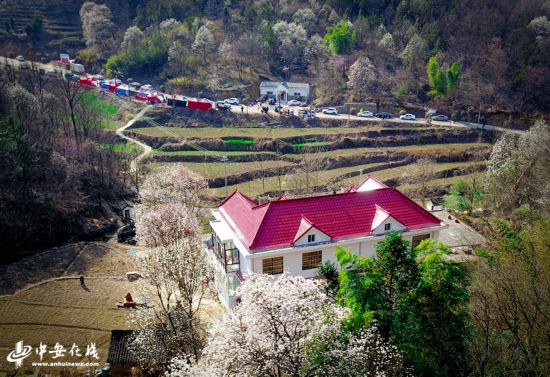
(146, 149)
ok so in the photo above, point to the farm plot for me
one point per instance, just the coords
(51, 307)
(253, 132)
(265, 159)
(291, 182)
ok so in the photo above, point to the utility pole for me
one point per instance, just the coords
(360, 175)
(224, 159)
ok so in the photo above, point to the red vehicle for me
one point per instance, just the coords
(87, 81)
(199, 105)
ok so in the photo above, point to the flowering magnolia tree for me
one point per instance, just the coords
(289, 327)
(177, 184)
(175, 265)
(169, 199)
(176, 273)
(161, 224)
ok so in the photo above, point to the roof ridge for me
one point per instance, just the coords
(259, 226)
(374, 179)
(416, 204)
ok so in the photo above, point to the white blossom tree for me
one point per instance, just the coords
(168, 202)
(177, 184)
(315, 51)
(518, 170)
(363, 77)
(176, 272)
(132, 37)
(169, 23)
(307, 19)
(540, 25)
(98, 27)
(161, 224)
(175, 265)
(387, 43)
(416, 49)
(291, 43)
(204, 43)
(289, 327)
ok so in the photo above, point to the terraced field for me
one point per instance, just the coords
(255, 132)
(267, 160)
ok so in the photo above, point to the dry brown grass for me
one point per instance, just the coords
(57, 309)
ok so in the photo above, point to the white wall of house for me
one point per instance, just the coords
(251, 262)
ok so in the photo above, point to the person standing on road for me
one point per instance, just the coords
(242, 109)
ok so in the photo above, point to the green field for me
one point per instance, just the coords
(90, 100)
(123, 147)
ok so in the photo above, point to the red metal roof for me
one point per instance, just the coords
(276, 223)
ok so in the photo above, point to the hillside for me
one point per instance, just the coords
(498, 51)
(62, 29)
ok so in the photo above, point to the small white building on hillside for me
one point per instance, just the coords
(296, 235)
(283, 91)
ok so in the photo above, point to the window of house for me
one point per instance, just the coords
(419, 238)
(296, 93)
(311, 260)
(272, 266)
(387, 226)
(311, 238)
(269, 92)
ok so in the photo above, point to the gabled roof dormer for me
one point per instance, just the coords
(384, 222)
(308, 233)
(370, 183)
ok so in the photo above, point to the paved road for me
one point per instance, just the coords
(146, 149)
(16, 64)
(342, 117)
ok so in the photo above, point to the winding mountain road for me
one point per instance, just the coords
(146, 148)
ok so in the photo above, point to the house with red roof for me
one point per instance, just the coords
(296, 235)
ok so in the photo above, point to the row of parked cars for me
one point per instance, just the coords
(386, 115)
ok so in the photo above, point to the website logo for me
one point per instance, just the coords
(19, 354)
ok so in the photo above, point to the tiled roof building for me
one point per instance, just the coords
(294, 235)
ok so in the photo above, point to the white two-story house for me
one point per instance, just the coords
(296, 235)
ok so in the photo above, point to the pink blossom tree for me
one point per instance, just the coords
(169, 200)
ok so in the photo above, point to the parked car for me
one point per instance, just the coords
(23, 65)
(98, 77)
(440, 118)
(51, 73)
(232, 101)
(330, 111)
(71, 76)
(383, 115)
(277, 107)
(271, 101)
(407, 117)
(294, 102)
(222, 105)
(20, 58)
(365, 114)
